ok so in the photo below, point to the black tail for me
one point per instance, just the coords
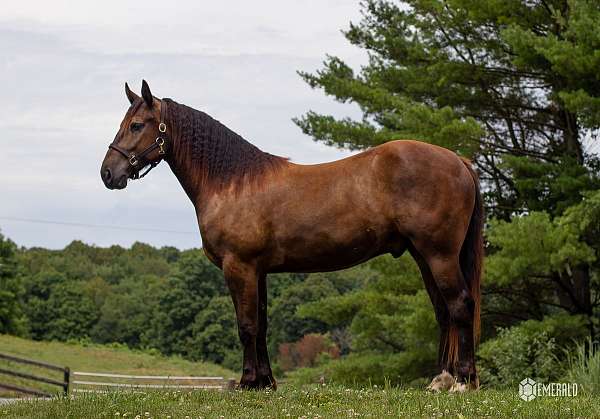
(471, 253)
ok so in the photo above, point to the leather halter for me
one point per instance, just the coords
(139, 161)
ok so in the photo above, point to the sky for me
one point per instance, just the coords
(62, 71)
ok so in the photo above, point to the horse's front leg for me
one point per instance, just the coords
(242, 280)
(265, 375)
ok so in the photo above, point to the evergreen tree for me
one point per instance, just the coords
(511, 83)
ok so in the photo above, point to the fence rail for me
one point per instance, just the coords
(81, 382)
(102, 382)
(145, 377)
(31, 377)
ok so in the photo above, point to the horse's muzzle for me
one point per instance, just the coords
(111, 181)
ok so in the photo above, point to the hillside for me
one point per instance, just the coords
(98, 358)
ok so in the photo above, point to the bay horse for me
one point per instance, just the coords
(260, 214)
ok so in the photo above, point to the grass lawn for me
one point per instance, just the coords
(96, 358)
(307, 402)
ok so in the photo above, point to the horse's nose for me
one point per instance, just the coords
(107, 176)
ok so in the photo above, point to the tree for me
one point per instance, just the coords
(284, 323)
(193, 284)
(12, 320)
(214, 334)
(126, 309)
(38, 289)
(390, 321)
(390, 313)
(513, 84)
(67, 314)
(532, 269)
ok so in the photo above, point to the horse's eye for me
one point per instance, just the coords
(136, 126)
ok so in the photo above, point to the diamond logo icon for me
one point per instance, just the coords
(527, 389)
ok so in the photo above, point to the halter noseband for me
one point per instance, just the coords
(139, 161)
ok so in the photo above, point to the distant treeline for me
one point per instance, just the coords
(165, 299)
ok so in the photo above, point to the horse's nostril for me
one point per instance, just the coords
(122, 182)
(107, 175)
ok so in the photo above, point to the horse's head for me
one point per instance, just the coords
(141, 140)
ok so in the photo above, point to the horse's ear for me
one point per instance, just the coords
(147, 94)
(130, 95)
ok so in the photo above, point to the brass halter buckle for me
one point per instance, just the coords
(161, 143)
(162, 127)
(133, 160)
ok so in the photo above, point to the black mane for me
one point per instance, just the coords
(221, 155)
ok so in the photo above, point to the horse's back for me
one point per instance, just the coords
(405, 175)
(372, 202)
(333, 215)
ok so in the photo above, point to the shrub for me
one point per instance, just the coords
(305, 352)
(404, 368)
(584, 366)
(533, 349)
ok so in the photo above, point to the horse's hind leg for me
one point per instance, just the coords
(459, 350)
(444, 380)
(461, 309)
(265, 375)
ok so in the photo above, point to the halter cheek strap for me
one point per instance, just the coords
(139, 161)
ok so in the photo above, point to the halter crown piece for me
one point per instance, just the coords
(139, 161)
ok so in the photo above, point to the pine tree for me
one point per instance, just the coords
(513, 84)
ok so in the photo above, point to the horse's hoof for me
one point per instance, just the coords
(458, 388)
(249, 383)
(260, 383)
(461, 387)
(268, 382)
(442, 381)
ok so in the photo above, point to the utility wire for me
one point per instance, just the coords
(104, 226)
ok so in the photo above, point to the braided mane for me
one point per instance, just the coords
(219, 156)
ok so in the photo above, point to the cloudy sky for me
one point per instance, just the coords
(62, 70)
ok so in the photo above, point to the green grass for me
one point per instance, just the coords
(307, 402)
(97, 358)
(289, 401)
(584, 366)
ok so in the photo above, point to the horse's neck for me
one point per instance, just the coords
(194, 177)
(204, 166)
(185, 171)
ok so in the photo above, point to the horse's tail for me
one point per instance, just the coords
(471, 253)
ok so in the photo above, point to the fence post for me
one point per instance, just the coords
(231, 383)
(67, 380)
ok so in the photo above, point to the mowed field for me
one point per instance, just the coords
(309, 402)
(94, 358)
(315, 401)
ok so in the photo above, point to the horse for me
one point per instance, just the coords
(259, 213)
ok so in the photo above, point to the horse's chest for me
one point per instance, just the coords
(238, 235)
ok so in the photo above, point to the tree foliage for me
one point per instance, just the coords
(512, 83)
(11, 290)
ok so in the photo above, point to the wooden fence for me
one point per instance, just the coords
(31, 377)
(100, 382)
